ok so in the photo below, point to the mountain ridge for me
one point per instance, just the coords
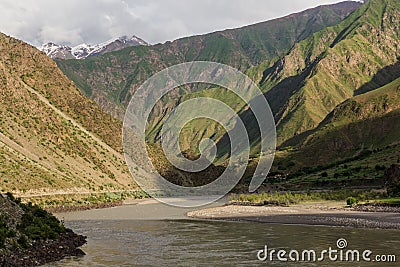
(241, 48)
(84, 50)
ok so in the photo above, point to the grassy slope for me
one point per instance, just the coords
(367, 121)
(331, 66)
(51, 136)
(198, 129)
(351, 147)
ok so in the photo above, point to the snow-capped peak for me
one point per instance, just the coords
(56, 51)
(86, 50)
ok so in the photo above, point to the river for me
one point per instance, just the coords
(152, 234)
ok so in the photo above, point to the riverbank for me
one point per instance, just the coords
(324, 213)
(65, 201)
(91, 206)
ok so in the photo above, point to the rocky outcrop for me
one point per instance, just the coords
(30, 236)
(41, 252)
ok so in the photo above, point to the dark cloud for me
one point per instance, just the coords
(76, 21)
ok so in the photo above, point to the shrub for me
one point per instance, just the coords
(380, 167)
(37, 223)
(357, 169)
(23, 241)
(4, 232)
(392, 180)
(351, 201)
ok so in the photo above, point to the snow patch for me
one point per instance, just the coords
(86, 50)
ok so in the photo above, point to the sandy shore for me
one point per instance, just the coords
(316, 213)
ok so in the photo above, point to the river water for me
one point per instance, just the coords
(157, 235)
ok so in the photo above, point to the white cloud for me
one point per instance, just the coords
(75, 21)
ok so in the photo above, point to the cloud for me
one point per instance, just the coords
(75, 21)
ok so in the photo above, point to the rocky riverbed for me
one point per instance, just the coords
(322, 213)
(377, 207)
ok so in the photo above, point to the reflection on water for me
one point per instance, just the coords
(205, 243)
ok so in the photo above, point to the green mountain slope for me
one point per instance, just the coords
(353, 146)
(111, 79)
(358, 55)
(332, 65)
(53, 139)
(369, 121)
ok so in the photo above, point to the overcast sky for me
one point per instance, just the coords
(73, 22)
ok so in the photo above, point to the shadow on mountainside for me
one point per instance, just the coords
(383, 77)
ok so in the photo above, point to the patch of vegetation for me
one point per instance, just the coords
(351, 201)
(90, 200)
(38, 224)
(392, 177)
(363, 170)
(5, 232)
(389, 201)
(290, 198)
(34, 224)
